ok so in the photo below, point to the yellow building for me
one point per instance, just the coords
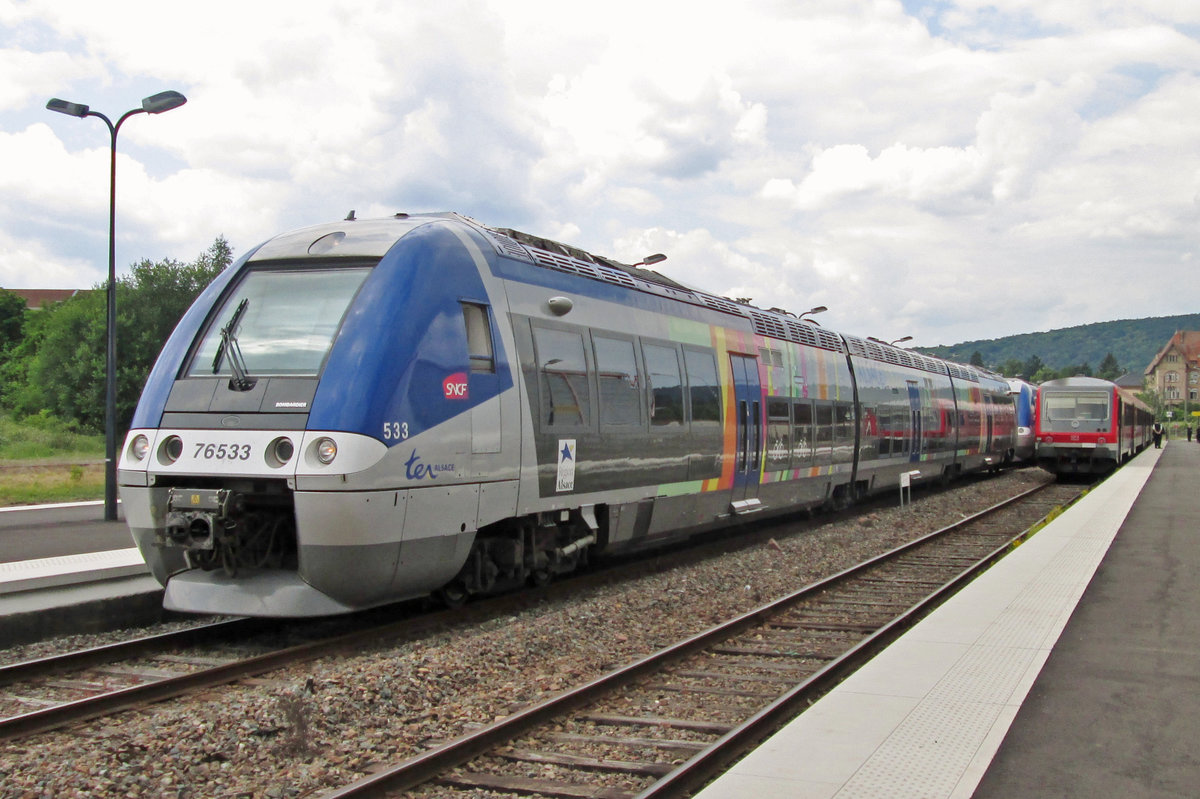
(1174, 374)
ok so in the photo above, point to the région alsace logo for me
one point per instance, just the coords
(455, 386)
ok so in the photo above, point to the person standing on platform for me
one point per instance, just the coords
(1157, 432)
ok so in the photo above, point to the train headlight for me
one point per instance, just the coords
(280, 451)
(1102, 440)
(170, 450)
(139, 447)
(326, 449)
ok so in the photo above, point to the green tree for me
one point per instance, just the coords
(63, 369)
(1013, 367)
(1109, 368)
(977, 359)
(12, 319)
(1043, 374)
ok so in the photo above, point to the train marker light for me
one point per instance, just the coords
(326, 450)
(171, 450)
(281, 451)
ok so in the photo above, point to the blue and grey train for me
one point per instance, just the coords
(366, 411)
(1025, 394)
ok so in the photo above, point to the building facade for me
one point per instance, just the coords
(1174, 374)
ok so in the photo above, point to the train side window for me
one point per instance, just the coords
(617, 380)
(802, 427)
(665, 385)
(869, 434)
(843, 432)
(479, 337)
(704, 387)
(892, 430)
(779, 434)
(823, 418)
(562, 378)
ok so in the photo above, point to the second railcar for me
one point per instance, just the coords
(1085, 425)
(1025, 396)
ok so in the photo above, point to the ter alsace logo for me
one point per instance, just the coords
(455, 386)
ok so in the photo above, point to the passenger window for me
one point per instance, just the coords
(666, 388)
(802, 442)
(563, 378)
(617, 380)
(779, 435)
(479, 337)
(843, 433)
(704, 385)
(824, 432)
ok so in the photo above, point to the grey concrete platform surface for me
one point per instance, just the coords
(31, 532)
(926, 717)
(86, 589)
(1116, 710)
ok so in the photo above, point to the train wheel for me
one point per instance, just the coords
(452, 595)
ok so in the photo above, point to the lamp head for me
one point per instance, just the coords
(163, 101)
(70, 109)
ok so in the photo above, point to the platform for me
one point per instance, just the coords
(929, 716)
(85, 590)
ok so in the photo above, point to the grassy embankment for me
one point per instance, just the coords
(42, 461)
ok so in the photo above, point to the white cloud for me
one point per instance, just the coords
(916, 173)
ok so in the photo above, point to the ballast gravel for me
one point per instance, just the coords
(299, 731)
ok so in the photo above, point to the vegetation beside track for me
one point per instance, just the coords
(43, 460)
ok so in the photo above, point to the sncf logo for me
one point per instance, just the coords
(455, 386)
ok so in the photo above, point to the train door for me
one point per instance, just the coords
(747, 398)
(918, 426)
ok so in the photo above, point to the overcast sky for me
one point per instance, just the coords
(949, 170)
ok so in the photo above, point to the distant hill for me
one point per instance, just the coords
(1134, 343)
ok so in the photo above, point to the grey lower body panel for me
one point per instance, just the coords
(268, 593)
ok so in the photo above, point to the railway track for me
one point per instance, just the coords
(666, 724)
(87, 684)
(52, 692)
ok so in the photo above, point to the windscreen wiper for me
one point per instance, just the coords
(229, 347)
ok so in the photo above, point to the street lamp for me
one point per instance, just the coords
(810, 311)
(155, 104)
(901, 340)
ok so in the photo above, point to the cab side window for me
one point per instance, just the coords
(479, 337)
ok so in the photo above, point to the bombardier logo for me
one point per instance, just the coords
(455, 386)
(291, 404)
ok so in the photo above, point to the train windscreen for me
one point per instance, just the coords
(277, 322)
(1073, 410)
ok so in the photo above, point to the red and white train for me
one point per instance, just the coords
(1085, 425)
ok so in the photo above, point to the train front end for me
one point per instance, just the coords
(1077, 427)
(262, 474)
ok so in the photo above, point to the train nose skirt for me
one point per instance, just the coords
(267, 593)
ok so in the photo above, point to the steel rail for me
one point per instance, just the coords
(134, 696)
(426, 766)
(107, 653)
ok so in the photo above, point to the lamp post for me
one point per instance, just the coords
(155, 104)
(810, 312)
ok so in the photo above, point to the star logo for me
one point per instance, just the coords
(566, 452)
